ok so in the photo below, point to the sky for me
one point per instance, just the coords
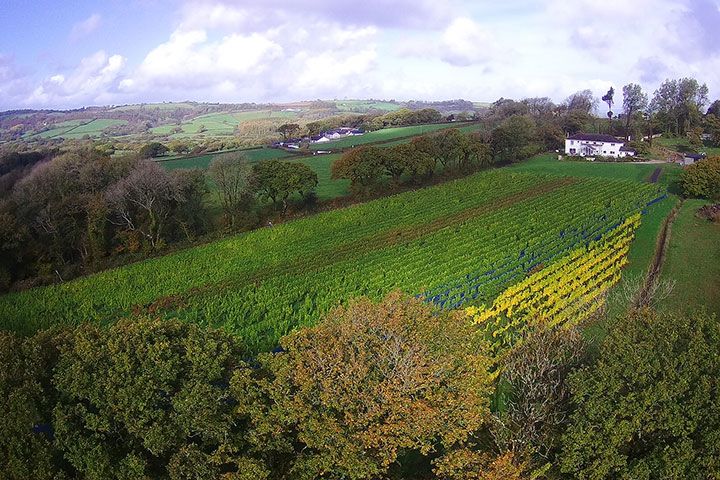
(64, 55)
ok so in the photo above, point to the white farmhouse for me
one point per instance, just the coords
(596, 145)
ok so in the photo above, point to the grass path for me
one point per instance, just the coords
(693, 262)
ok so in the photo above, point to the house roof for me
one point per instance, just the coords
(595, 137)
(625, 148)
(694, 156)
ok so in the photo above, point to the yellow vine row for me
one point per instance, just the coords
(563, 293)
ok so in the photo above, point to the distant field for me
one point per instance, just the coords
(94, 128)
(364, 106)
(58, 129)
(79, 128)
(692, 262)
(386, 134)
(327, 188)
(461, 242)
(155, 106)
(222, 123)
(203, 161)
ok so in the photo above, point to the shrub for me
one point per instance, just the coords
(702, 179)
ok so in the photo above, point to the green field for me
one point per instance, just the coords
(692, 261)
(79, 128)
(203, 161)
(448, 242)
(549, 164)
(384, 135)
(155, 106)
(327, 187)
(222, 123)
(362, 106)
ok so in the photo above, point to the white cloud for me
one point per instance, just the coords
(92, 79)
(278, 50)
(190, 60)
(465, 42)
(86, 27)
(282, 60)
(198, 15)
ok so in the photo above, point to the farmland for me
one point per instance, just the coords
(79, 128)
(203, 161)
(362, 106)
(221, 123)
(384, 135)
(464, 250)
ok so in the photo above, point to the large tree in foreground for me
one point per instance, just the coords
(650, 406)
(372, 382)
(147, 399)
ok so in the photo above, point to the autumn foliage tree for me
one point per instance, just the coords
(351, 396)
(363, 166)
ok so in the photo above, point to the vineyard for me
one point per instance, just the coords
(489, 231)
(566, 292)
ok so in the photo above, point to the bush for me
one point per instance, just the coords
(702, 179)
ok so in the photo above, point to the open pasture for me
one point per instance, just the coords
(222, 123)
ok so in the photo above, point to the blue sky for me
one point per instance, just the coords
(72, 54)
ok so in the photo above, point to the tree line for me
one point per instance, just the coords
(393, 389)
(446, 153)
(79, 211)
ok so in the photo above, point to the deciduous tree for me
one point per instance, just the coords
(372, 381)
(634, 101)
(649, 407)
(233, 176)
(363, 166)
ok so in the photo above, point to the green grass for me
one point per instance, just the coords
(222, 123)
(79, 128)
(362, 106)
(93, 129)
(386, 134)
(693, 262)
(203, 161)
(642, 252)
(549, 164)
(263, 284)
(327, 188)
(680, 144)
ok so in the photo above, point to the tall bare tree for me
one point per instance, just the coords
(634, 101)
(232, 175)
(142, 201)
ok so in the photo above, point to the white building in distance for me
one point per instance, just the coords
(596, 145)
